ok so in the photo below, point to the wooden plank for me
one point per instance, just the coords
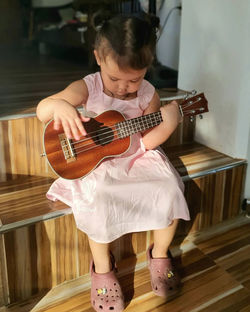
(44, 251)
(212, 199)
(67, 249)
(4, 288)
(21, 140)
(84, 255)
(19, 257)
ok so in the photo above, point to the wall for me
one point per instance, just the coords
(214, 58)
(168, 45)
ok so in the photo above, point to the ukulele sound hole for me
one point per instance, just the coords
(104, 136)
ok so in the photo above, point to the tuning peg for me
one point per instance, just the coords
(193, 92)
(42, 155)
(191, 118)
(201, 116)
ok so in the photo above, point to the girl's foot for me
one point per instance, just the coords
(106, 293)
(164, 278)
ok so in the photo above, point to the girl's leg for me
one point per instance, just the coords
(163, 239)
(106, 292)
(101, 256)
(165, 280)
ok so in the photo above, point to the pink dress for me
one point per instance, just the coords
(135, 192)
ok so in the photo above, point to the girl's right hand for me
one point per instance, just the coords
(69, 118)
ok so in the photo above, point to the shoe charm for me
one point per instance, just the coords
(170, 274)
(102, 291)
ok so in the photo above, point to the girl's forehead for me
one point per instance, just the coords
(111, 68)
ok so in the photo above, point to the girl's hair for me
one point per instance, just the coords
(129, 40)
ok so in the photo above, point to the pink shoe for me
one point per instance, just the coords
(164, 278)
(106, 293)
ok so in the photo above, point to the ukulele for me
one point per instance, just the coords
(108, 135)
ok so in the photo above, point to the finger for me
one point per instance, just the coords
(57, 124)
(67, 130)
(85, 119)
(80, 126)
(74, 129)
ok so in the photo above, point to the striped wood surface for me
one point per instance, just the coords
(47, 253)
(22, 196)
(215, 272)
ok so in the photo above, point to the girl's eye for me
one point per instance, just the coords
(113, 79)
(136, 80)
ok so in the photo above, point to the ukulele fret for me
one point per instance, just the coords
(67, 149)
(134, 125)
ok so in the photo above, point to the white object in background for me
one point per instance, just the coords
(167, 49)
(49, 3)
(82, 30)
(145, 3)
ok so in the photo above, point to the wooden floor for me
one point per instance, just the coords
(215, 275)
(27, 77)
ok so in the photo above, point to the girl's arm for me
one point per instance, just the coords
(171, 118)
(62, 108)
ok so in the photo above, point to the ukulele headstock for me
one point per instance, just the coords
(195, 105)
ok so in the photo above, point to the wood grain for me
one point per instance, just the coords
(220, 194)
(4, 300)
(213, 273)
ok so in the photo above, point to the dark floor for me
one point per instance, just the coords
(26, 77)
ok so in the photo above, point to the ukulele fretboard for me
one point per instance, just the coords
(134, 125)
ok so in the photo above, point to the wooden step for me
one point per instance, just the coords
(23, 200)
(38, 254)
(213, 266)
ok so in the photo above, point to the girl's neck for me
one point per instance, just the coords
(127, 96)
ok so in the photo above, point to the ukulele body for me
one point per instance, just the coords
(72, 159)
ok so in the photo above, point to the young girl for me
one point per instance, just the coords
(138, 191)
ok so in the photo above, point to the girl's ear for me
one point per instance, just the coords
(97, 57)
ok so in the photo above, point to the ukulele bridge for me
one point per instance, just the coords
(67, 149)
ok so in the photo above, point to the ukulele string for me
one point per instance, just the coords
(190, 103)
(94, 146)
(102, 141)
(99, 133)
(111, 127)
(105, 139)
(91, 147)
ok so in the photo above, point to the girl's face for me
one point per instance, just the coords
(121, 83)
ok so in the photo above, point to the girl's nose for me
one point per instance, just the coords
(122, 86)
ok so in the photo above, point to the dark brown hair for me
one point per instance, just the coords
(129, 40)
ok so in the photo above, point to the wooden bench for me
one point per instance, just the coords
(40, 246)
